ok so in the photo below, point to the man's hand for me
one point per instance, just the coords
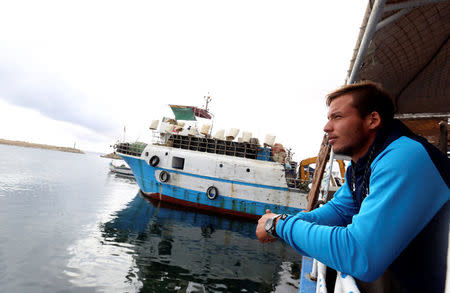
(261, 233)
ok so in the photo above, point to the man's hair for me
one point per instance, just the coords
(368, 97)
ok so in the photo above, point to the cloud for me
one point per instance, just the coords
(53, 98)
(26, 124)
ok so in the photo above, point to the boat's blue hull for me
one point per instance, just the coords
(152, 187)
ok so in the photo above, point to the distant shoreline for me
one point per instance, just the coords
(40, 146)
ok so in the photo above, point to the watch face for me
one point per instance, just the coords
(268, 225)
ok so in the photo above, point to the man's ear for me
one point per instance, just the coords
(374, 120)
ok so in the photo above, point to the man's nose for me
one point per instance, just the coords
(327, 128)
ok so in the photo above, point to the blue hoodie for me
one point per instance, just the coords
(402, 222)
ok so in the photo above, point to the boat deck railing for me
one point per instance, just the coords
(344, 283)
(217, 146)
(132, 149)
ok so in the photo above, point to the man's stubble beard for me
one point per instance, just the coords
(345, 151)
(351, 150)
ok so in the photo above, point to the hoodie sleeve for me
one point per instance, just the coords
(397, 208)
(337, 212)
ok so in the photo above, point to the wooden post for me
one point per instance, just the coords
(321, 162)
(443, 138)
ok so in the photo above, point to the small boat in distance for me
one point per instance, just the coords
(220, 173)
(120, 167)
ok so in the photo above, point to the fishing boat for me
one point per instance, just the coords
(221, 173)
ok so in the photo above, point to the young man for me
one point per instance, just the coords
(393, 210)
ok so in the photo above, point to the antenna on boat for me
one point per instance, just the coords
(207, 100)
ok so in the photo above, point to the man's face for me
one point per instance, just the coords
(348, 133)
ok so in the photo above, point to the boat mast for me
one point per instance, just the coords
(207, 100)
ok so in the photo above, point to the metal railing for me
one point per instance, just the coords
(132, 149)
(344, 283)
(215, 146)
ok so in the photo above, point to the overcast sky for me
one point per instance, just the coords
(79, 71)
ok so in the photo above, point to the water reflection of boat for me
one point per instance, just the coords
(174, 249)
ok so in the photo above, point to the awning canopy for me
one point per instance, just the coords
(189, 112)
(404, 45)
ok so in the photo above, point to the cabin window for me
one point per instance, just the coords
(178, 163)
(146, 154)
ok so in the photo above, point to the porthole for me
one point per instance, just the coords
(248, 169)
(220, 165)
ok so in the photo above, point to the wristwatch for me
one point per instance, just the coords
(270, 225)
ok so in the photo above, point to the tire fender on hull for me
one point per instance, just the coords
(164, 176)
(154, 161)
(212, 192)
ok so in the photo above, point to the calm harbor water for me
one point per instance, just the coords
(68, 225)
